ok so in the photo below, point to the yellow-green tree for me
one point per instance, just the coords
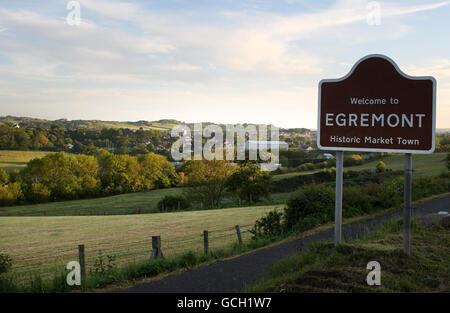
(207, 181)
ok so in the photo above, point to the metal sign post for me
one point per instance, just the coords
(338, 202)
(407, 204)
(377, 108)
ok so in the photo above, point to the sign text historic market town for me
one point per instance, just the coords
(376, 107)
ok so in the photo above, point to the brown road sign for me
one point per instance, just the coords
(376, 107)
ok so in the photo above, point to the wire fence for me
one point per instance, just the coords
(48, 264)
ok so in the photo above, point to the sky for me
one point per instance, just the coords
(220, 61)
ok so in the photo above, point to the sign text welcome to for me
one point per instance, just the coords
(376, 107)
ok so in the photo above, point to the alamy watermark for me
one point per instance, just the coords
(373, 18)
(74, 276)
(237, 138)
(73, 18)
(374, 276)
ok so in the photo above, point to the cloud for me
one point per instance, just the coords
(113, 9)
(440, 70)
(211, 60)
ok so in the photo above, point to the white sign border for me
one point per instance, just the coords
(376, 149)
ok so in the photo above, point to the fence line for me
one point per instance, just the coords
(133, 250)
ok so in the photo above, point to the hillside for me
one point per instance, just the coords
(88, 124)
(325, 268)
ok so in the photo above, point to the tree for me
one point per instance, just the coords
(381, 167)
(207, 181)
(157, 171)
(249, 183)
(66, 176)
(10, 194)
(4, 177)
(437, 144)
(120, 174)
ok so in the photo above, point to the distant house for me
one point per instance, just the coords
(16, 125)
(70, 146)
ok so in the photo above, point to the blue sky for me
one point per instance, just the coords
(221, 61)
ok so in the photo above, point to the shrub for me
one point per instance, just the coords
(381, 167)
(269, 225)
(173, 203)
(306, 167)
(10, 194)
(5, 263)
(4, 177)
(313, 201)
(249, 183)
(354, 159)
(39, 193)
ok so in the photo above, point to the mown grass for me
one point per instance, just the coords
(132, 203)
(423, 165)
(325, 268)
(46, 244)
(17, 160)
(130, 272)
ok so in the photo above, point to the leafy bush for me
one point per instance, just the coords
(269, 225)
(313, 204)
(10, 194)
(173, 203)
(103, 265)
(381, 167)
(5, 263)
(249, 183)
(4, 177)
(354, 159)
(39, 193)
(313, 201)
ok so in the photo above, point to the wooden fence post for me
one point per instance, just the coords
(205, 241)
(82, 262)
(156, 248)
(238, 232)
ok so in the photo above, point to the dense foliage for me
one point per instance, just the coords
(313, 204)
(207, 181)
(249, 183)
(82, 140)
(62, 176)
(173, 203)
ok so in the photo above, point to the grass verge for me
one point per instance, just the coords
(325, 268)
(103, 275)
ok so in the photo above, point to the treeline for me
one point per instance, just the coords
(305, 161)
(61, 176)
(329, 175)
(313, 204)
(83, 141)
(443, 143)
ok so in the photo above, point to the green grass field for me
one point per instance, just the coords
(46, 244)
(11, 160)
(132, 203)
(423, 165)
